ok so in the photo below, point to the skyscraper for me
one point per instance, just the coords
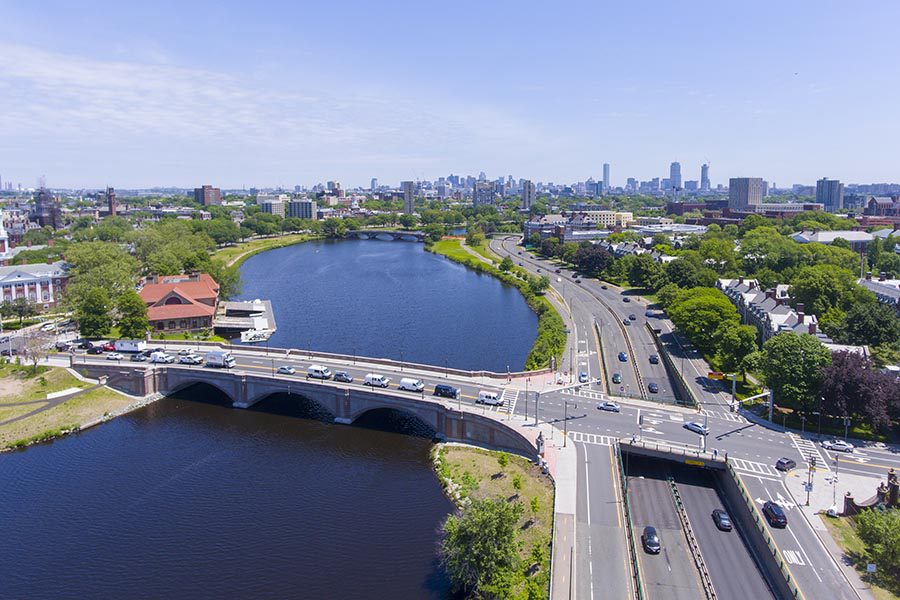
(675, 175)
(374, 185)
(744, 192)
(704, 177)
(409, 188)
(830, 192)
(527, 194)
(483, 193)
(46, 209)
(605, 177)
(208, 195)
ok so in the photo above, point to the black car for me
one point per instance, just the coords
(604, 287)
(650, 540)
(654, 359)
(95, 350)
(138, 357)
(343, 377)
(775, 514)
(653, 388)
(721, 519)
(626, 322)
(85, 345)
(446, 391)
(577, 281)
(626, 299)
(785, 464)
(632, 317)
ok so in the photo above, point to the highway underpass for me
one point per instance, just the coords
(673, 574)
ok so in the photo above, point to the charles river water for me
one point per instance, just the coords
(189, 498)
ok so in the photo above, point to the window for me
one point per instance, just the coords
(171, 325)
(182, 324)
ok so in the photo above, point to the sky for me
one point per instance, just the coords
(262, 94)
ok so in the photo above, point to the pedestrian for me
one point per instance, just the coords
(715, 453)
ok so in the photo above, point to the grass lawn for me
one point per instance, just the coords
(843, 531)
(484, 251)
(479, 476)
(18, 385)
(452, 248)
(240, 252)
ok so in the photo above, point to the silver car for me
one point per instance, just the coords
(838, 445)
(609, 406)
(697, 427)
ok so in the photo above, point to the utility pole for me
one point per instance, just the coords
(565, 423)
(846, 425)
(809, 477)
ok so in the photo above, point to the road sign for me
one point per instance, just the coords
(715, 375)
(696, 463)
(871, 568)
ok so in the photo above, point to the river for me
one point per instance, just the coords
(390, 299)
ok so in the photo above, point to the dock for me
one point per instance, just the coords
(251, 320)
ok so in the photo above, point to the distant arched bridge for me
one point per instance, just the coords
(386, 235)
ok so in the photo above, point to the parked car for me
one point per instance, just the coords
(839, 445)
(785, 464)
(4, 339)
(446, 391)
(583, 377)
(774, 514)
(623, 357)
(8, 352)
(653, 388)
(649, 313)
(376, 380)
(559, 271)
(114, 356)
(617, 378)
(650, 540)
(721, 519)
(697, 427)
(95, 350)
(286, 370)
(609, 407)
(654, 359)
(343, 377)
(63, 346)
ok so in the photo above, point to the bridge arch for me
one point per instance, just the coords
(396, 420)
(293, 404)
(205, 391)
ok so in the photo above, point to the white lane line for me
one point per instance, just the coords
(587, 492)
(793, 535)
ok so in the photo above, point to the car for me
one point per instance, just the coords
(604, 287)
(446, 391)
(623, 357)
(649, 313)
(489, 398)
(190, 359)
(138, 357)
(63, 346)
(583, 377)
(650, 540)
(184, 352)
(774, 514)
(626, 322)
(95, 350)
(653, 388)
(376, 380)
(286, 370)
(114, 356)
(521, 265)
(48, 326)
(697, 427)
(632, 317)
(8, 352)
(578, 281)
(721, 519)
(626, 299)
(654, 359)
(558, 271)
(4, 339)
(520, 252)
(617, 378)
(343, 377)
(609, 407)
(785, 464)
(838, 445)
(85, 345)
(109, 347)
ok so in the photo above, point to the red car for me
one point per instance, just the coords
(108, 347)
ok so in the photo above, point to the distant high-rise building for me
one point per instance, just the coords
(691, 185)
(302, 209)
(527, 194)
(830, 192)
(675, 175)
(409, 188)
(374, 184)
(483, 193)
(273, 207)
(744, 192)
(704, 177)
(46, 209)
(111, 201)
(208, 195)
(605, 177)
(631, 185)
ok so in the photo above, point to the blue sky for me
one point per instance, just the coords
(285, 93)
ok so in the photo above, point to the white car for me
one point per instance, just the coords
(48, 326)
(286, 370)
(609, 406)
(190, 359)
(838, 445)
(114, 356)
(184, 353)
(697, 427)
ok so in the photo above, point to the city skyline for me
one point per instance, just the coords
(164, 103)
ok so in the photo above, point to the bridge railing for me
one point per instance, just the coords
(313, 355)
(629, 533)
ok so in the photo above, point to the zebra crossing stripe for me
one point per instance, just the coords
(591, 438)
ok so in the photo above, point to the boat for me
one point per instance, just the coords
(256, 335)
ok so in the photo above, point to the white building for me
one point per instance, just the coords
(40, 283)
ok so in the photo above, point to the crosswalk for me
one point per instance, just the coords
(724, 415)
(509, 398)
(754, 468)
(591, 438)
(809, 450)
(590, 394)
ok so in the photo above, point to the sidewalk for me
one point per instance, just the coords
(824, 494)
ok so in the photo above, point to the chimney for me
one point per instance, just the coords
(801, 307)
(882, 276)
(800, 317)
(812, 329)
(868, 275)
(740, 280)
(770, 294)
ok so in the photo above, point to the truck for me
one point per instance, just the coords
(221, 359)
(130, 345)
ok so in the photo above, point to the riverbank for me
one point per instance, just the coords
(468, 473)
(551, 335)
(42, 405)
(235, 255)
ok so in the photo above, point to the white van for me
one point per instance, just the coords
(376, 380)
(161, 357)
(318, 372)
(490, 398)
(412, 385)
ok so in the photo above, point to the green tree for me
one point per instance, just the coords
(503, 460)
(99, 265)
(820, 287)
(435, 231)
(506, 264)
(408, 221)
(474, 236)
(334, 228)
(480, 550)
(793, 368)
(646, 273)
(880, 531)
(699, 312)
(132, 315)
(871, 324)
(537, 285)
(21, 307)
(92, 312)
(733, 344)
(667, 294)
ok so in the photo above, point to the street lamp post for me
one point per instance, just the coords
(846, 426)
(565, 423)
(802, 425)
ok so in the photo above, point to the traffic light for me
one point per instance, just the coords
(812, 462)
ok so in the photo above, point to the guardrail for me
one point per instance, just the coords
(632, 546)
(637, 372)
(758, 521)
(687, 397)
(705, 579)
(676, 448)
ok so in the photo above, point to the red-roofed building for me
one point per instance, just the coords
(180, 302)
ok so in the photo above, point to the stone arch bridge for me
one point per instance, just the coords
(387, 235)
